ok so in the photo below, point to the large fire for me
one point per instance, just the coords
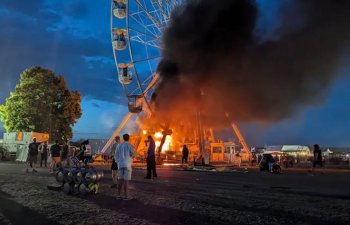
(168, 144)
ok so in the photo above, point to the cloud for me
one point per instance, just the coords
(20, 7)
(66, 38)
(95, 105)
(98, 59)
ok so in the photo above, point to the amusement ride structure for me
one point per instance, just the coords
(136, 31)
(136, 34)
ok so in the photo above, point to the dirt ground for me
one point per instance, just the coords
(181, 197)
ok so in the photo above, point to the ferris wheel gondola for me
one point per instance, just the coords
(119, 8)
(119, 41)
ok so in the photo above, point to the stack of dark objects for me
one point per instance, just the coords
(80, 179)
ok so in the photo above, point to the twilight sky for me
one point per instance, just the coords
(72, 38)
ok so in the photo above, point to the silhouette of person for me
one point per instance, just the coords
(318, 160)
(151, 159)
(185, 154)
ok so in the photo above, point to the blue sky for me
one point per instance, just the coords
(72, 38)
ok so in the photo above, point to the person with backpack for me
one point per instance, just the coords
(32, 155)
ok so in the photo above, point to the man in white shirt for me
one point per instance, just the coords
(123, 156)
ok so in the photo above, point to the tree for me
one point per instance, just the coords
(42, 103)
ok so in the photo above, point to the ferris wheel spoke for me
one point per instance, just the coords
(171, 5)
(149, 15)
(142, 20)
(158, 6)
(153, 81)
(144, 39)
(136, 91)
(146, 59)
(156, 11)
(148, 29)
(140, 33)
(148, 43)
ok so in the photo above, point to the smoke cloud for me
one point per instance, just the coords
(215, 60)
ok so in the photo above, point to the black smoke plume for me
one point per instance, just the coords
(215, 60)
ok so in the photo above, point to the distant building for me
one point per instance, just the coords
(298, 151)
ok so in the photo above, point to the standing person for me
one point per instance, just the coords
(184, 154)
(87, 153)
(238, 159)
(123, 155)
(253, 158)
(80, 153)
(55, 155)
(151, 159)
(298, 159)
(32, 155)
(64, 154)
(206, 157)
(317, 157)
(44, 148)
(114, 166)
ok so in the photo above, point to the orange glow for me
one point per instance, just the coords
(158, 135)
(168, 144)
(144, 132)
(172, 164)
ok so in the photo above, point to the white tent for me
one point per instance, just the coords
(327, 152)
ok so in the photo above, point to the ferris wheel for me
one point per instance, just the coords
(136, 32)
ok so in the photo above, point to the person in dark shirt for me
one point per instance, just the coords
(64, 154)
(151, 158)
(32, 155)
(87, 152)
(44, 148)
(114, 166)
(184, 154)
(55, 155)
(318, 160)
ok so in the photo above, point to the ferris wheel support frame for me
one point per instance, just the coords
(239, 135)
(129, 115)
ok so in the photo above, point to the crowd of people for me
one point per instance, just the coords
(121, 154)
(56, 154)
